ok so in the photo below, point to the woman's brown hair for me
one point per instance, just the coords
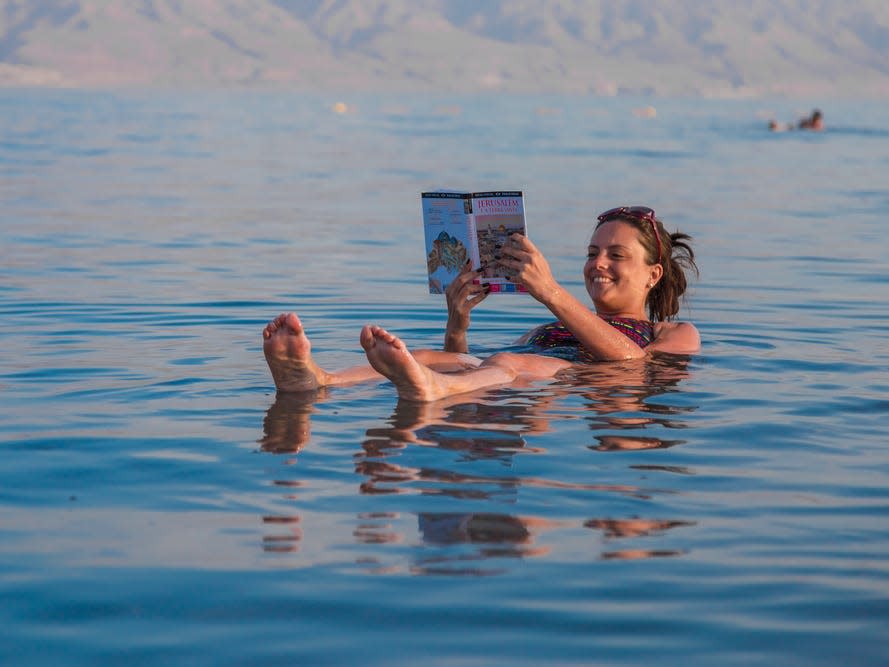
(676, 256)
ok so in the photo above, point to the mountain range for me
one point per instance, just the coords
(712, 48)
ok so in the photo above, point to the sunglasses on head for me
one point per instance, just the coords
(634, 213)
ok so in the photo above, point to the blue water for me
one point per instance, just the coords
(159, 505)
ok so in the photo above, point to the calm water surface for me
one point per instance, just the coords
(159, 504)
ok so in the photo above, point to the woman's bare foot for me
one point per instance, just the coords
(288, 353)
(389, 356)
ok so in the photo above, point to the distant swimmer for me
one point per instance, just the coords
(813, 122)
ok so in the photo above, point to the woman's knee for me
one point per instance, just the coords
(527, 364)
(446, 361)
(509, 360)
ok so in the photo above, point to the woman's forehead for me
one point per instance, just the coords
(615, 232)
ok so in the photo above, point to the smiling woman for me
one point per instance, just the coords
(633, 265)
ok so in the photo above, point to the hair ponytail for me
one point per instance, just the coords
(679, 257)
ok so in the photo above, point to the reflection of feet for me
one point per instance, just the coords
(286, 427)
(389, 356)
(288, 353)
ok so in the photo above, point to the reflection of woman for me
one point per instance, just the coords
(634, 274)
(620, 407)
(496, 427)
(623, 399)
(485, 428)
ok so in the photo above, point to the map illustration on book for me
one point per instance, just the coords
(461, 226)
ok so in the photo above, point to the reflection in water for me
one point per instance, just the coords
(489, 535)
(286, 427)
(469, 438)
(632, 527)
(459, 539)
(377, 528)
(481, 429)
(285, 540)
(627, 528)
(612, 443)
(447, 528)
(623, 397)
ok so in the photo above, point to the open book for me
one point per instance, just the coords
(461, 226)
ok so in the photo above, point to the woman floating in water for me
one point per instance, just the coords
(635, 274)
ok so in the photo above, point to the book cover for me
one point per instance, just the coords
(461, 226)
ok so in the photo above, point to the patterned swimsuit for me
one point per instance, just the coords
(553, 339)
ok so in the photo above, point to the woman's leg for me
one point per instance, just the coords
(418, 382)
(288, 353)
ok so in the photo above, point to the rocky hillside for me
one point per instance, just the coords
(725, 48)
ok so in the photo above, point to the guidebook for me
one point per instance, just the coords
(461, 226)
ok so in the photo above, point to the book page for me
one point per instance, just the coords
(497, 215)
(447, 218)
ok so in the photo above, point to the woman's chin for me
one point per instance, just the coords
(597, 292)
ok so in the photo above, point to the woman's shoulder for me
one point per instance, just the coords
(675, 338)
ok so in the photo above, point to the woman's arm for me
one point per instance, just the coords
(597, 336)
(462, 296)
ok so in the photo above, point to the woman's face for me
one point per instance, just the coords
(617, 273)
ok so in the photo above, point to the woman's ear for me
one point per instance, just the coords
(657, 272)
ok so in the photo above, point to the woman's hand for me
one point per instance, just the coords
(462, 296)
(529, 267)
